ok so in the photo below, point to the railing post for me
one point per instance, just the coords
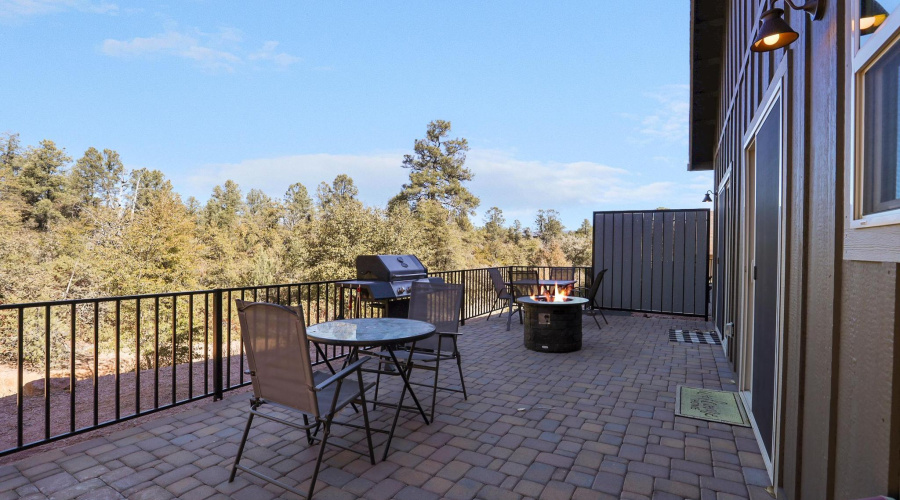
(217, 344)
(463, 320)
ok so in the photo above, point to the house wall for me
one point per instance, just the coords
(840, 400)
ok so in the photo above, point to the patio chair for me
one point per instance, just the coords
(501, 291)
(591, 295)
(522, 289)
(281, 372)
(439, 304)
(562, 273)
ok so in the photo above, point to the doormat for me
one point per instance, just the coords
(714, 406)
(695, 337)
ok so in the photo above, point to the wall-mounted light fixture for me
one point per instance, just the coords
(707, 198)
(775, 33)
(871, 15)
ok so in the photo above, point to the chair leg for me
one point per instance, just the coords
(241, 448)
(437, 369)
(309, 438)
(362, 398)
(462, 381)
(312, 484)
(377, 383)
(604, 316)
(492, 309)
(595, 321)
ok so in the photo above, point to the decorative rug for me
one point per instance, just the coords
(695, 337)
(715, 406)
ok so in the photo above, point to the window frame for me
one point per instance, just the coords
(862, 59)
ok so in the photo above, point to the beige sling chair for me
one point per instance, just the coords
(280, 369)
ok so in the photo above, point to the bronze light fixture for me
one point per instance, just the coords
(871, 15)
(775, 33)
(707, 198)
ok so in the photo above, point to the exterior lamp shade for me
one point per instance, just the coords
(871, 15)
(706, 198)
(774, 32)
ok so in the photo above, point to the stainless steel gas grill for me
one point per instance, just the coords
(386, 280)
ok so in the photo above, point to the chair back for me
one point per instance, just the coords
(595, 286)
(438, 304)
(499, 284)
(562, 273)
(530, 287)
(278, 354)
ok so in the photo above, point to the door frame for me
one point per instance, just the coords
(774, 94)
(724, 189)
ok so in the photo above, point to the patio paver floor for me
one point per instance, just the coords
(598, 423)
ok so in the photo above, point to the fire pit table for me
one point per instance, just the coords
(552, 326)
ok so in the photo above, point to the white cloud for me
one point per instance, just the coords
(192, 46)
(24, 8)
(378, 176)
(267, 53)
(217, 51)
(668, 122)
(519, 187)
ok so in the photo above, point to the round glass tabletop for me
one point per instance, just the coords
(369, 331)
(540, 300)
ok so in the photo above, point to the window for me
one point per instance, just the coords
(880, 158)
(875, 124)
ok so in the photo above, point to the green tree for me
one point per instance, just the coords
(9, 153)
(224, 205)
(341, 191)
(143, 185)
(547, 225)
(42, 183)
(298, 206)
(437, 172)
(96, 177)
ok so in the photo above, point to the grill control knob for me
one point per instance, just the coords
(401, 290)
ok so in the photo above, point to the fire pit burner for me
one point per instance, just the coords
(552, 326)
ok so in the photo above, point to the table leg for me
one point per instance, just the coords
(403, 375)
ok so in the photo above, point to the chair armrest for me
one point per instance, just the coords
(449, 334)
(352, 367)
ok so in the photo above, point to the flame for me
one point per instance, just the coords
(559, 295)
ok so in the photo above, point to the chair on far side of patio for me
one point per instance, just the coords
(591, 295)
(281, 372)
(439, 304)
(502, 293)
(523, 283)
(562, 273)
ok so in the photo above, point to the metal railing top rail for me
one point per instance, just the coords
(183, 293)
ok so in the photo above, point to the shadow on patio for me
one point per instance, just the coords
(598, 423)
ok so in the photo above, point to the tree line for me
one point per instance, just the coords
(89, 227)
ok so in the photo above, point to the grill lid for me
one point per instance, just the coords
(389, 267)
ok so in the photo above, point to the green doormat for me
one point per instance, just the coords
(715, 406)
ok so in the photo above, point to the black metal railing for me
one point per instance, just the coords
(96, 362)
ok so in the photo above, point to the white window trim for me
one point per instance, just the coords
(862, 58)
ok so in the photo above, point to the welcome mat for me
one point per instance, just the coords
(714, 406)
(695, 337)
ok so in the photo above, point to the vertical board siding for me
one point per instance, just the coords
(679, 276)
(618, 264)
(637, 229)
(627, 250)
(656, 260)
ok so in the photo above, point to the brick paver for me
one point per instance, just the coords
(598, 423)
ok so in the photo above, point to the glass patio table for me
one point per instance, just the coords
(377, 332)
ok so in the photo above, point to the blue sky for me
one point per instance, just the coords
(577, 106)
